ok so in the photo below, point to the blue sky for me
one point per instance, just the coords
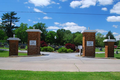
(33, 11)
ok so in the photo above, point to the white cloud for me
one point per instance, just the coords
(113, 19)
(0, 19)
(35, 21)
(46, 17)
(104, 9)
(115, 33)
(28, 7)
(116, 8)
(53, 27)
(117, 37)
(105, 2)
(115, 26)
(73, 27)
(37, 10)
(55, 30)
(88, 3)
(25, 2)
(60, 7)
(56, 23)
(63, 0)
(29, 19)
(83, 3)
(38, 18)
(58, 3)
(101, 31)
(40, 2)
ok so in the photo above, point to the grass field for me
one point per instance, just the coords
(6, 54)
(42, 75)
(102, 55)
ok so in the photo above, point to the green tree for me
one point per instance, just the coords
(2, 35)
(74, 36)
(42, 27)
(60, 34)
(78, 39)
(21, 32)
(8, 21)
(110, 34)
(99, 40)
(50, 37)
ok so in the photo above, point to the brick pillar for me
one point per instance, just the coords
(88, 43)
(109, 47)
(13, 46)
(33, 41)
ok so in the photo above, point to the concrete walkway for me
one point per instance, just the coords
(59, 62)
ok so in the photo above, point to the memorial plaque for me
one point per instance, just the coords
(33, 42)
(89, 43)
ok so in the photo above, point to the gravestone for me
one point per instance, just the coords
(88, 44)
(34, 41)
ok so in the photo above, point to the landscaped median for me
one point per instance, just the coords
(43, 75)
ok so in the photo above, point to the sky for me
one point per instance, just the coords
(73, 15)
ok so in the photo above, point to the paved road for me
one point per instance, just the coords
(59, 62)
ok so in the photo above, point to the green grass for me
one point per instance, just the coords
(103, 50)
(6, 54)
(18, 48)
(102, 55)
(43, 75)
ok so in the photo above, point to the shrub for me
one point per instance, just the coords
(43, 44)
(69, 50)
(70, 46)
(48, 49)
(118, 48)
(62, 49)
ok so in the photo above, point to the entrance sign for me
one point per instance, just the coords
(89, 43)
(79, 46)
(33, 42)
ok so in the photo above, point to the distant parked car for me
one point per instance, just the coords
(115, 46)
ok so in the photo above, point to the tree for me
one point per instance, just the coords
(50, 37)
(2, 35)
(21, 32)
(74, 36)
(60, 34)
(110, 34)
(42, 27)
(67, 38)
(78, 39)
(99, 40)
(8, 20)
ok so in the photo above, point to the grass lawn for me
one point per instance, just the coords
(42, 75)
(6, 54)
(103, 50)
(102, 55)
(8, 48)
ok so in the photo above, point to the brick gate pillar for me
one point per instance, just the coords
(109, 47)
(34, 37)
(13, 45)
(88, 43)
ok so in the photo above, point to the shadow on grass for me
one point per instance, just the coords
(118, 57)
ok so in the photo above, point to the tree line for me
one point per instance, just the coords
(8, 28)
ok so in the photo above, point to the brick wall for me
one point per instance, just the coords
(88, 51)
(109, 49)
(34, 50)
(13, 47)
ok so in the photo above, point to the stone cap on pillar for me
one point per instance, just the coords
(109, 40)
(91, 31)
(33, 30)
(12, 38)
